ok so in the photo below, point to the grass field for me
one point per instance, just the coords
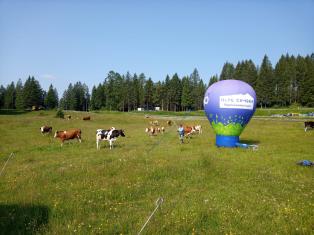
(76, 189)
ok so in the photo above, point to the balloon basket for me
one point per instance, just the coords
(227, 141)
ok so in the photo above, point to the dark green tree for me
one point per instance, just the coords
(19, 102)
(265, 84)
(246, 71)
(308, 92)
(175, 92)
(148, 94)
(227, 71)
(2, 96)
(33, 93)
(9, 96)
(186, 98)
(158, 94)
(51, 99)
(212, 80)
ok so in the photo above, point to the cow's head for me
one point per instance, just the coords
(122, 133)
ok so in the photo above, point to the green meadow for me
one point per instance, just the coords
(76, 189)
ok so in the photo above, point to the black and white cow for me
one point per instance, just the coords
(45, 130)
(109, 135)
(307, 125)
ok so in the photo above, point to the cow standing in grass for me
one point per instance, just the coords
(307, 125)
(45, 130)
(109, 135)
(68, 135)
(198, 128)
(87, 118)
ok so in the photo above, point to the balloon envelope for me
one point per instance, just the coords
(229, 106)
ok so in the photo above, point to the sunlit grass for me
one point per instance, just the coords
(206, 190)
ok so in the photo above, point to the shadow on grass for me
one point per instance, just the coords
(246, 141)
(12, 112)
(23, 219)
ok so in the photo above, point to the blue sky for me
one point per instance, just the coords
(60, 42)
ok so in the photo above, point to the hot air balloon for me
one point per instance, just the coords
(229, 106)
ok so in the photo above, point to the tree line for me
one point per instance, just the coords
(25, 96)
(290, 81)
(129, 92)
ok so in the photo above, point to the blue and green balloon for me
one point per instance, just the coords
(229, 106)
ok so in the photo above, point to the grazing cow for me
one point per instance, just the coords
(68, 135)
(309, 124)
(169, 122)
(87, 118)
(154, 123)
(109, 135)
(151, 131)
(68, 117)
(45, 130)
(198, 128)
(188, 131)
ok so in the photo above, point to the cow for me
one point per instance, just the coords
(109, 135)
(169, 122)
(68, 135)
(87, 118)
(45, 130)
(308, 124)
(151, 130)
(154, 123)
(68, 117)
(188, 131)
(198, 128)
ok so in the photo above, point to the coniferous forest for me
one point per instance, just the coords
(289, 81)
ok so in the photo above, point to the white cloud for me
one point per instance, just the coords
(48, 77)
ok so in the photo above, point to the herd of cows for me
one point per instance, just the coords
(112, 134)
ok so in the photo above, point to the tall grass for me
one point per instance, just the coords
(72, 189)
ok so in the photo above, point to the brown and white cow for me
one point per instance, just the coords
(154, 130)
(45, 130)
(188, 131)
(151, 130)
(154, 123)
(68, 135)
(198, 128)
(308, 124)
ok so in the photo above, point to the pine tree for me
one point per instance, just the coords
(213, 80)
(9, 97)
(32, 92)
(148, 94)
(2, 96)
(141, 80)
(158, 94)
(186, 98)
(265, 84)
(19, 102)
(197, 89)
(300, 67)
(308, 95)
(246, 71)
(51, 99)
(166, 94)
(227, 71)
(130, 92)
(175, 92)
